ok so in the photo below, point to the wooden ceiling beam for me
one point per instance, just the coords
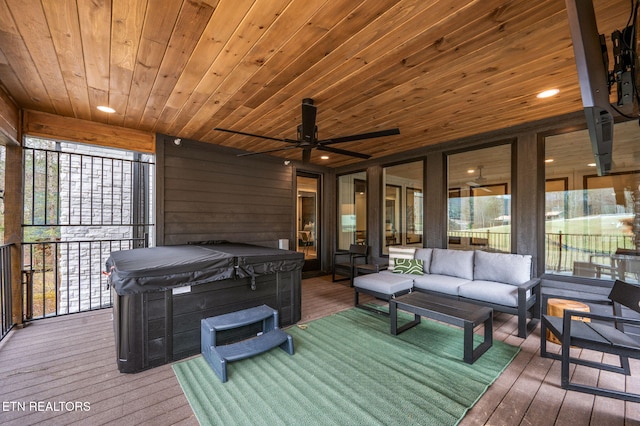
(53, 126)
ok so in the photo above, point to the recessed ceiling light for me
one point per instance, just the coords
(548, 93)
(471, 171)
(591, 164)
(324, 157)
(549, 160)
(106, 109)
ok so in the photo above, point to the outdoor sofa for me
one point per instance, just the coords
(502, 281)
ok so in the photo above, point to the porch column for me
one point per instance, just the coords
(13, 224)
(529, 193)
(436, 200)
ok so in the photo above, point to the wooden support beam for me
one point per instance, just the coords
(9, 119)
(13, 224)
(11, 137)
(75, 130)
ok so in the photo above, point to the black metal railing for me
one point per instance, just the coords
(480, 240)
(63, 277)
(69, 188)
(562, 251)
(80, 204)
(6, 300)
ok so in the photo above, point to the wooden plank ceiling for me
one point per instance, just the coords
(438, 70)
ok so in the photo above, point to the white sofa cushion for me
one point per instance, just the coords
(455, 263)
(502, 267)
(441, 283)
(424, 254)
(490, 291)
(399, 253)
(384, 282)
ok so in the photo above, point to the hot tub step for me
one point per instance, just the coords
(243, 317)
(218, 355)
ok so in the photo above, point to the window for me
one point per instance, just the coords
(479, 209)
(592, 221)
(352, 210)
(403, 205)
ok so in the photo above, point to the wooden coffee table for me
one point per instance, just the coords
(450, 311)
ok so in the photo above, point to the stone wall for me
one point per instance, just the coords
(95, 218)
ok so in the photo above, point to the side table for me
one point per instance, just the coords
(367, 268)
(370, 268)
(556, 308)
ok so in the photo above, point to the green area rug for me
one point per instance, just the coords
(348, 370)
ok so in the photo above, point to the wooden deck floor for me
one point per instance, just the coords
(70, 359)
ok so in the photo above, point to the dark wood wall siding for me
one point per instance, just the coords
(210, 194)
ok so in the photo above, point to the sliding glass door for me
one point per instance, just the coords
(307, 219)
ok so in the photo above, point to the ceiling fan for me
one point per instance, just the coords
(479, 181)
(307, 137)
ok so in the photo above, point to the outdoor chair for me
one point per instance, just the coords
(344, 261)
(625, 262)
(305, 241)
(605, 333)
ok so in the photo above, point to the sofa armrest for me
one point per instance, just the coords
(532, 283)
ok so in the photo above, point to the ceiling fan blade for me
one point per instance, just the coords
(370, 135)
(255, 136)
(306, 155)
(342, 151)
(476, 185)
(309, 110)
(245, 154)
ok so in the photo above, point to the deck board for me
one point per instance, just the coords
(72, 358)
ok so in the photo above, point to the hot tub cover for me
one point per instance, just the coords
(161, 268)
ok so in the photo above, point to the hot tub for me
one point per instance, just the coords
(162, 293)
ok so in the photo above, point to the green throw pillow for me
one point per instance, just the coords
(408, 266)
